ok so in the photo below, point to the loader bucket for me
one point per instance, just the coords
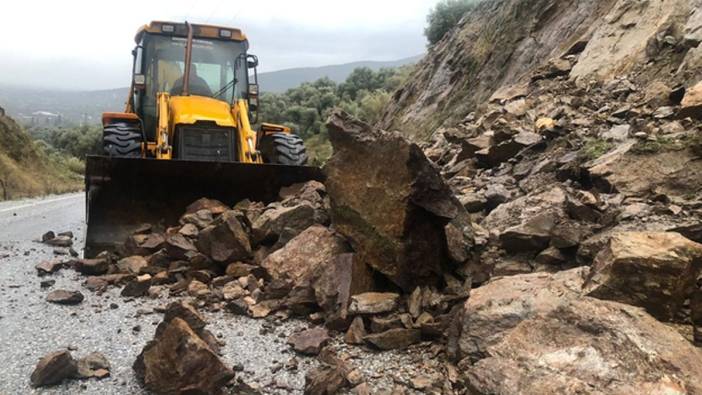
(124, 193)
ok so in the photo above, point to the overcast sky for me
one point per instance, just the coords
(86, 44)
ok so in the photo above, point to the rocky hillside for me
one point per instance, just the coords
(545, 237)
(26, 169)
(498, 44)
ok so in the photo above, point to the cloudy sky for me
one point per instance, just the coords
(86, 44)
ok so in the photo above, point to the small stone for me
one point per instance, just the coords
(373, 303)
(65, 297)
(393, 339)
(309, 342)
(356, 332)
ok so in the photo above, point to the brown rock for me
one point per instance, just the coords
(356, 332)
(60, 241)
(225, 240)
(390, 201)
(394, 339)
(93, 267)
(189, 230)
(239, 269)
(310, 341)
(185, 312)
(48, 267)
(53, 369)
(138, 287)
(304, 256)
(179, 247)
(691, 105)
(324, 380)
(64, 297)
(344, 277)
(214, 206)
(277, 225)
(179, 361)
(537, 334)
(132, 264)
(93, 365)
(655, 271)
(201, 219)
(373, 303)
(198, 290)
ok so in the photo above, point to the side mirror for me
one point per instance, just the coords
(139, 81)
(252, 61)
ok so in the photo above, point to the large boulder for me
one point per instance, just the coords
(225, 240)
(391, 203)
(653, 270)
(304, 257)
(545, 217)
(179, 361)
(537, 334)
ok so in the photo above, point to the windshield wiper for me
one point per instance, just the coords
(225, 88)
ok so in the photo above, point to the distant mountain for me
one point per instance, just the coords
(282, 80)
(56, 107)
(44, 107)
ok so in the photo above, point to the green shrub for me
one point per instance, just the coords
(444, 16)
(595, 148)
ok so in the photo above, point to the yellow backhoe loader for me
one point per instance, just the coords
(186, 133)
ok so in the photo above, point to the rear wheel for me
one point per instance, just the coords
(122, 140)
(284, 149)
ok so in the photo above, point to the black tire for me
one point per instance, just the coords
(122, 140)
(283, 149)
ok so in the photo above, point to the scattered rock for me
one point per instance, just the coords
(225, 240)
(304, 256)
(309, 342)
(691, 105)
(393, 339)
(64, 297)
(93, 365)
(373, 303)
(177, 360)
(53, 369)
(48, 267)
(356, 332)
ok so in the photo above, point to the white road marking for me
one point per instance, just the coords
(40, 202)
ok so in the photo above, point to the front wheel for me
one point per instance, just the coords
(122, 140)
(283, 149)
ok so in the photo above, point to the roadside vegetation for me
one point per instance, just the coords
(31, 167)
(364, 94)
(444, 16)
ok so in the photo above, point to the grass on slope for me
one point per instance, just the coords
(29, 168)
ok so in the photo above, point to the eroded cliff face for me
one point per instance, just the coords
(499, 43)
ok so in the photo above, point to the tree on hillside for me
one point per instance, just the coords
(444, 16)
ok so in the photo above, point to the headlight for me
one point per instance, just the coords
(167, 28)
(225, 33)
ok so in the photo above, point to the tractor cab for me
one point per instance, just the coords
(218, 66)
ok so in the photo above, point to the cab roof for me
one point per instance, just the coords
(179, 29)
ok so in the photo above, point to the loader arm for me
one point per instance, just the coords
(248, 152)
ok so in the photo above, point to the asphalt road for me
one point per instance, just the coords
(30, 327)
